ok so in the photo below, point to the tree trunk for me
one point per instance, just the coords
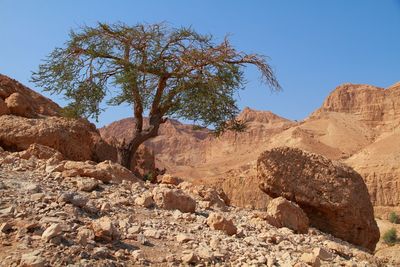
(126, 151)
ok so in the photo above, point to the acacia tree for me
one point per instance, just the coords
(159, 70)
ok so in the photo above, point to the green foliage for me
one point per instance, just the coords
(390, 237)
(148, 177)
(164, 71)
(394, 218)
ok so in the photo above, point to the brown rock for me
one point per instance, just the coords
(74, 139)
(173, 199)
(334, 196)
(26, 99)
(3, 108)
(145, 201)
(105, 171)
(5, 227)
(32, 259)
(51, 231)
(41, 152)
(104, 229)
(323, 254)
(310, 259)
(18, 105)
(284, 213)
(218, 222)
(169, 179)
(84, 235)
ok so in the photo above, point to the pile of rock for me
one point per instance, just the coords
(51, 219)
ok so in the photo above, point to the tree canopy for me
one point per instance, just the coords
(157, 69)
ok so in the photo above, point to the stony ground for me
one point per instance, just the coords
(48, 220)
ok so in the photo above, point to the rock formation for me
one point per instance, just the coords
(334, 196)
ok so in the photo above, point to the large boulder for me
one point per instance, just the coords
(334, 196)
(75, 139)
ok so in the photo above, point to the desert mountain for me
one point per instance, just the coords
(357, 124)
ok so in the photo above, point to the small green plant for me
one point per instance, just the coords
(394, 218)
(148, 177)
(390, 237)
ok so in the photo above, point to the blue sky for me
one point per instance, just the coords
(313, 45)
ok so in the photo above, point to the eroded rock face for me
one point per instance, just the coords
(334, 196)
(375, 106)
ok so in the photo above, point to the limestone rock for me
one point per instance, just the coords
(85, 235)
(104, 229)
(284, 213)
(310, 259)
(145, 201)
(52, 231)
(32, 259)
(169, 179)
(73, 198)
(334, 196)
(105, 171)
(218, 222)
(173, 199)
(74, 139)
(87, 185)
(41, 152)
(182, 238)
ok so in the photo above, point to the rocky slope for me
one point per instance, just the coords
(48, 218)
